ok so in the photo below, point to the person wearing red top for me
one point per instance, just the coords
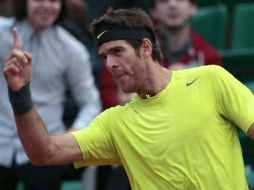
(196, 53)
(180, 45)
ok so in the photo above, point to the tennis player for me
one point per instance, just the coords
(178, 133)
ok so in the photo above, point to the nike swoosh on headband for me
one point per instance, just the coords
(99, 35)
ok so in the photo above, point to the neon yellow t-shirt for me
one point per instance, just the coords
(184, 138)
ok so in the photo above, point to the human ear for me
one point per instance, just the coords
(146, 47)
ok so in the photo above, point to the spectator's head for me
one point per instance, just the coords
(40, 13)
(131, 25)
(76, 10)
(173, 14)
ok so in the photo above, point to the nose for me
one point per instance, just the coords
(110, 62)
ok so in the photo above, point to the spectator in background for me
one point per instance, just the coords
(60, 62)
(181, 46)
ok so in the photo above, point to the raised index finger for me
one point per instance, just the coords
(16, 38)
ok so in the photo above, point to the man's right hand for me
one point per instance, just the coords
(18, 67)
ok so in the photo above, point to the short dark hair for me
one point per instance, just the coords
(20, 10)
(133, 18)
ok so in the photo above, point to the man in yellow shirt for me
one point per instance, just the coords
(178, 133)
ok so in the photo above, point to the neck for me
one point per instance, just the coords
(178, 38)
(156, 80)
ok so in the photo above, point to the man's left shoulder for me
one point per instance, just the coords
(213, 71)
(209, 70)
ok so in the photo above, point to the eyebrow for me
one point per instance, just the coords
(111, 49)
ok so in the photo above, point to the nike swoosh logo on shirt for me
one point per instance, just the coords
(190, 83)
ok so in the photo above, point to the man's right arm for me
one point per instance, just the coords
(40, 147)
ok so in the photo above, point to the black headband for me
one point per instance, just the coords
(108, 32)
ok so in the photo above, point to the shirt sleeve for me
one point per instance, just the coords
(96, 143)
(235, 100)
